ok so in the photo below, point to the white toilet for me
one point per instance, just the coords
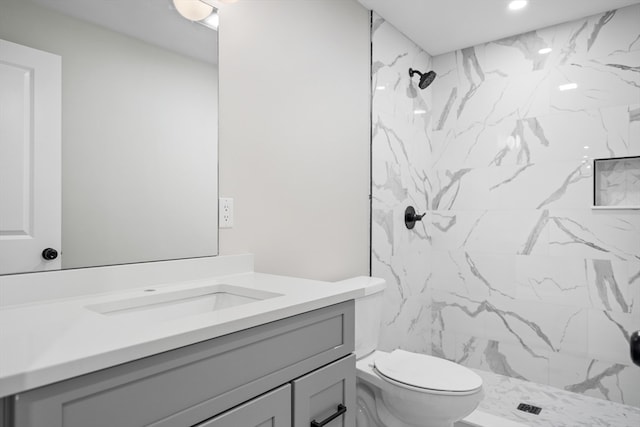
(402, 389)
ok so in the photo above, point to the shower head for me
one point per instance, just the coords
(425, 78)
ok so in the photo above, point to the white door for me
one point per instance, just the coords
(30, 159)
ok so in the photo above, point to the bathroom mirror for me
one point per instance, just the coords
(139, 126)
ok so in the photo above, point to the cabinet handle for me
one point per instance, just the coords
(341, 410)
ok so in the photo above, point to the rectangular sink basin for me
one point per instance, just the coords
(158, 305)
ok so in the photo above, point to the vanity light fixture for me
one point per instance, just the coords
(518, 4)
(419, 112)
(568, 86)
(193, 10)
(212, 21)
(545, 50)
(199, 11)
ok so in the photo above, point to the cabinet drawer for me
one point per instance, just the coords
(270, 410)
(183, 387)
(317, 396)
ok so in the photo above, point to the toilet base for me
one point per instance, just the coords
(372, 412)
(367, 415)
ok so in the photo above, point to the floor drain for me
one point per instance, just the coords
(529, 408)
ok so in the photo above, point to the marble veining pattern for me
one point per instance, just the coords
(510, 270)
(559, 408)
(401, 113)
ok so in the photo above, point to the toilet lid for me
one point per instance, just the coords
(427, 372)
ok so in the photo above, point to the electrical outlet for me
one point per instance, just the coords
(225, 211)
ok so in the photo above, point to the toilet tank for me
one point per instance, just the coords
(368, 313)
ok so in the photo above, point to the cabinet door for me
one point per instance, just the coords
(327, 395)
(272, 409)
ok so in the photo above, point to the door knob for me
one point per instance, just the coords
(49, 254)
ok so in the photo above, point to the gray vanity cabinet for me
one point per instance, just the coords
(191, 385)
(328, 393)
(271, 410)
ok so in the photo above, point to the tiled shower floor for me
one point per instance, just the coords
(559, 408)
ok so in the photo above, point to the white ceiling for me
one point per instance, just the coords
(154, 21)
(441, 26)
(438, 26)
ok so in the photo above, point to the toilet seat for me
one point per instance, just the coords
(427, 374)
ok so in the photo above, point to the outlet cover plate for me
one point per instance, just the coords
(225, 212)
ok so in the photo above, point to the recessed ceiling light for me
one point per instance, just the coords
(418, 112)
(545, 50)
(568, 86)
(518, 4)
(381, 87)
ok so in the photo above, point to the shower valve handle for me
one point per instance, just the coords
(634, 342)
(410, 217)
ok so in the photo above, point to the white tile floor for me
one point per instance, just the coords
(559, 408)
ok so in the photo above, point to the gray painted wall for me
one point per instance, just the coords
(294, 135)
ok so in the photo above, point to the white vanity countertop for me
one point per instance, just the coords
(45, 342)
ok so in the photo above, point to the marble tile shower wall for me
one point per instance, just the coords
(511, 270)
(401, 154)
